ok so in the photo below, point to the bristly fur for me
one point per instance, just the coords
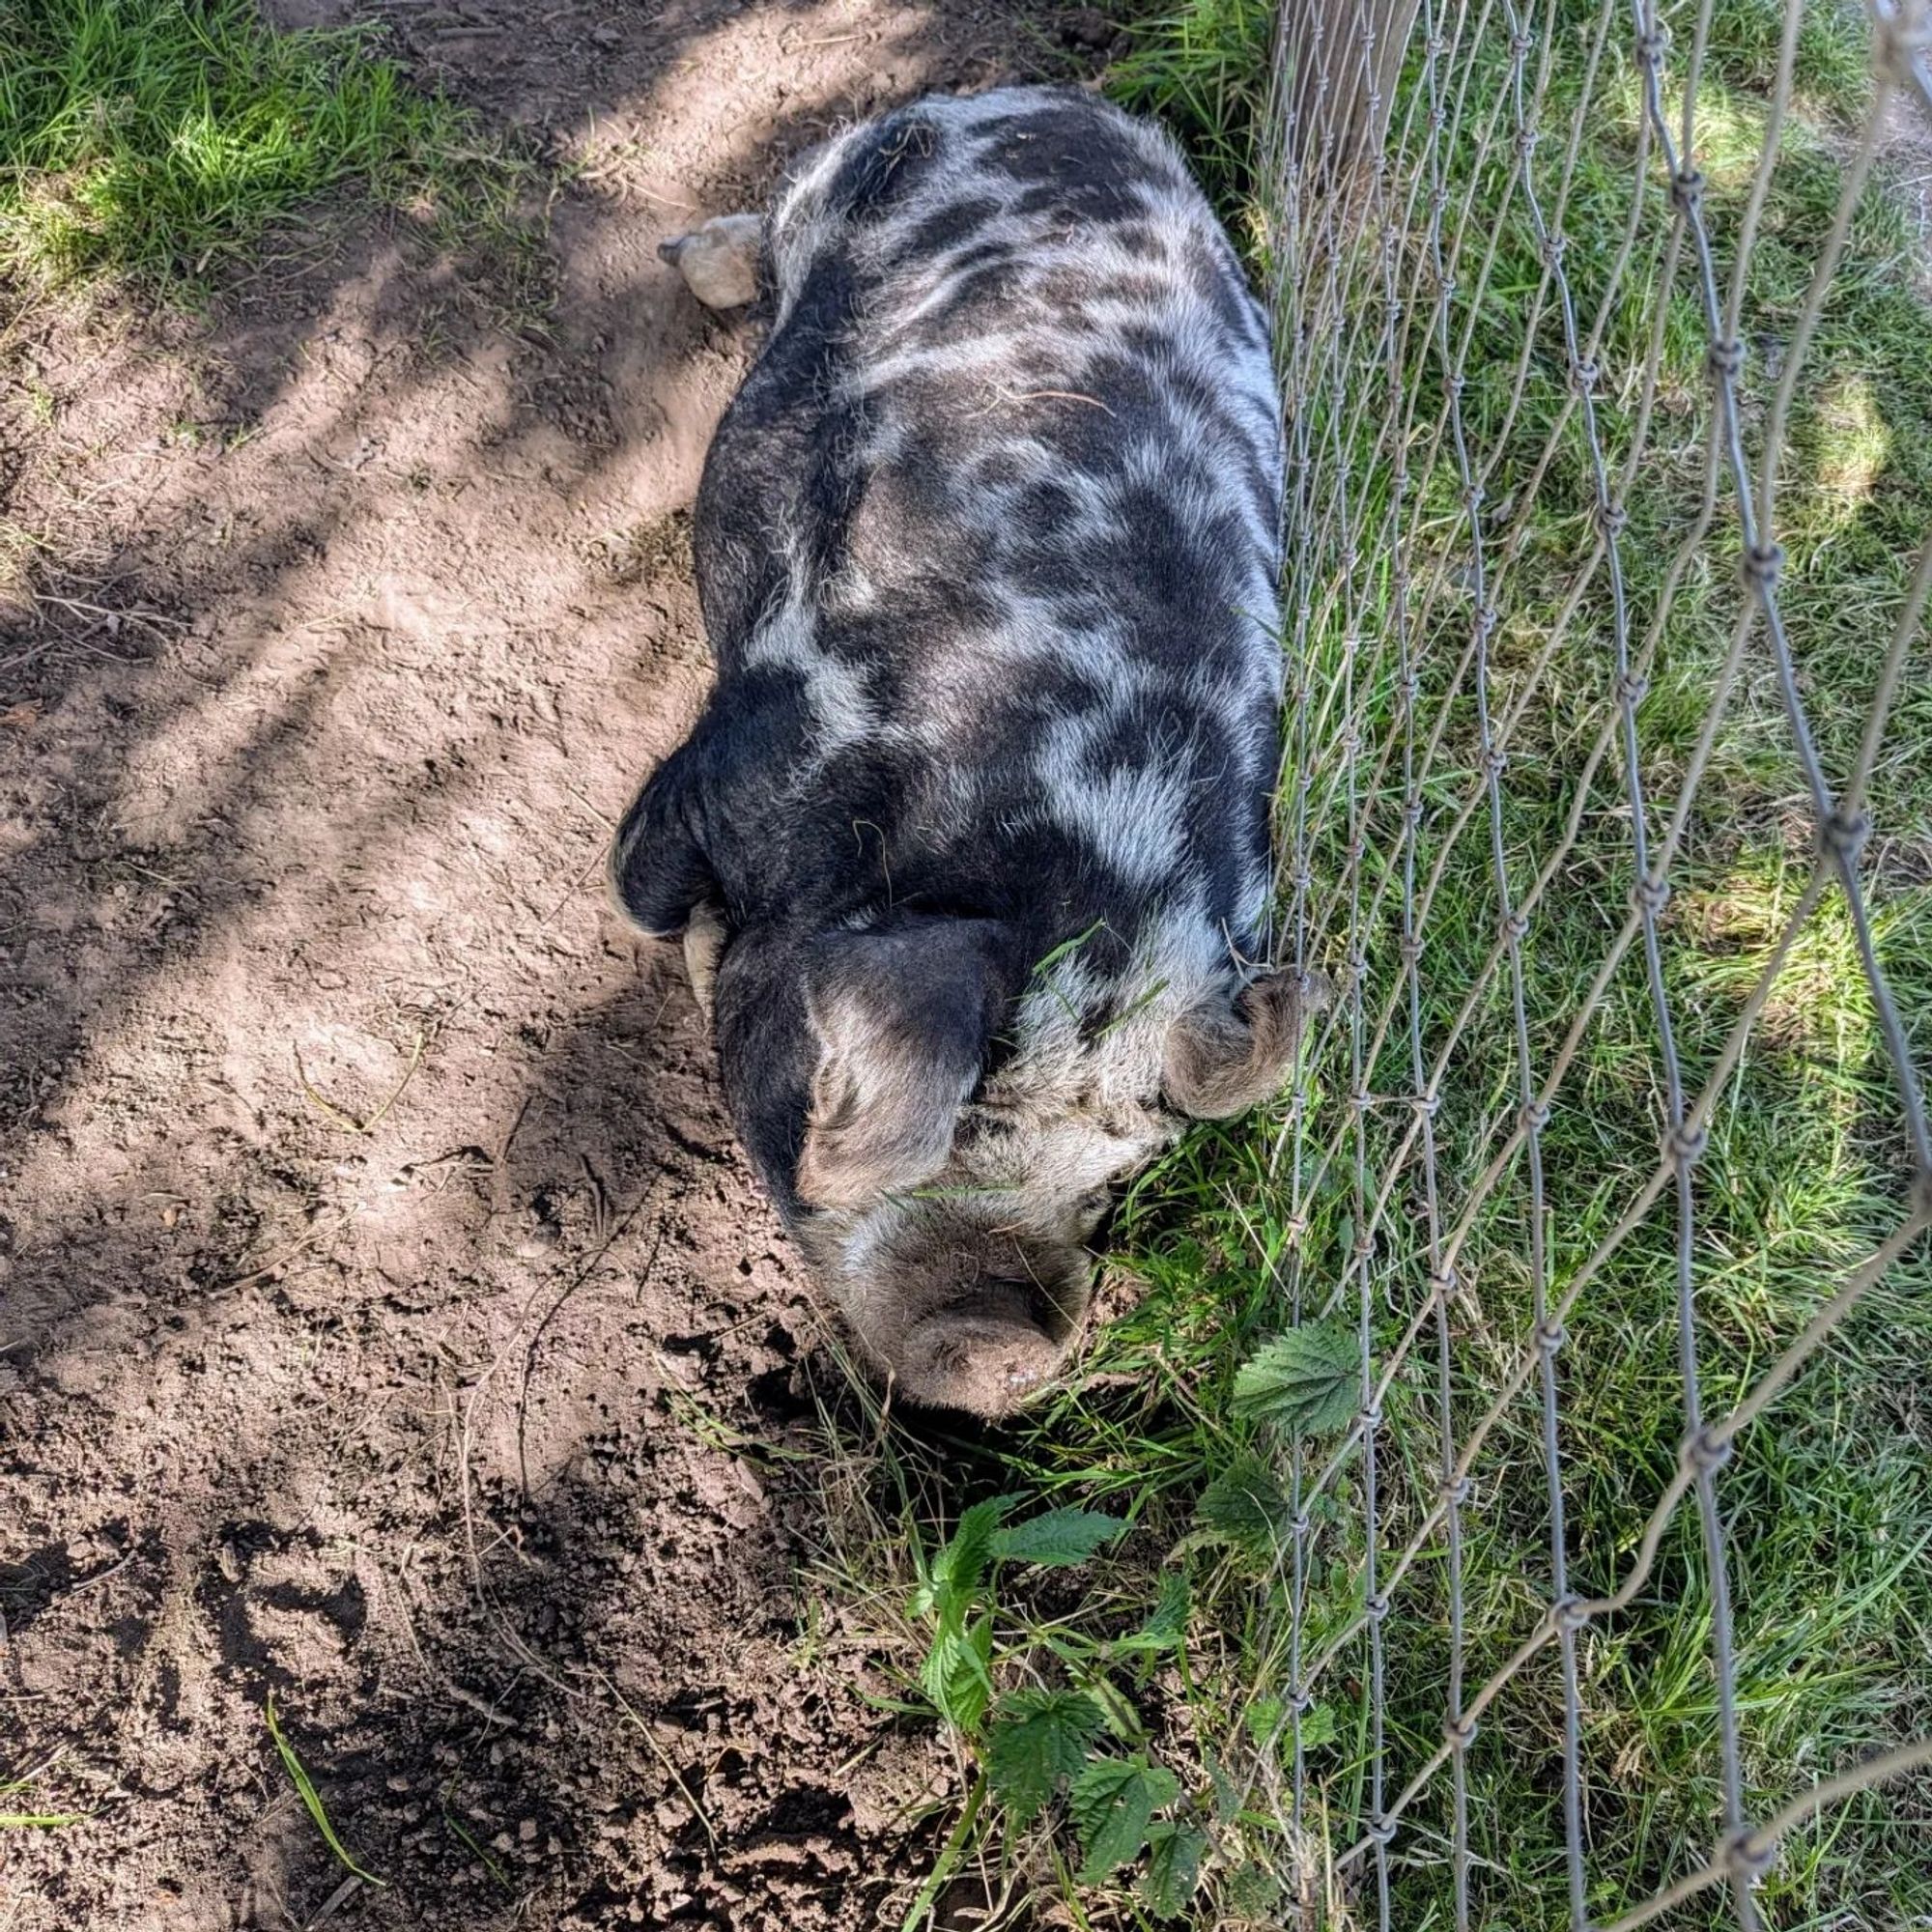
(987, 548)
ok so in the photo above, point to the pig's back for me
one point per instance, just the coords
(994, 517)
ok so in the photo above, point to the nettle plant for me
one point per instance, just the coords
(1078, 1755)
(1085, 1741)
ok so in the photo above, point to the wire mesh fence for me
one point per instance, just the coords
(1607, 574)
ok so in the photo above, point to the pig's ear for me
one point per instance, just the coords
(1231, 1054)
(903, 1020)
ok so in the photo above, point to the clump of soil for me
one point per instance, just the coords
(659, 547)
(387, 1320)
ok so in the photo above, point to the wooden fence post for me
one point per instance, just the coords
(1337, 62)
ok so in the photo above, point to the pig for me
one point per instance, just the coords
(970, 846)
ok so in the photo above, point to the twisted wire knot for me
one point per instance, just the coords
(1747, 1857)
(1686, 190)
(1724, 359)
(1705, 1451)
(1844, 833)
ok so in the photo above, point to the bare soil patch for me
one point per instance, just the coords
(387, 1321)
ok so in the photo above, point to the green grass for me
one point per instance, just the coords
(33, 1821)
(158, 140)
(312, 1798)
(1183, 1633)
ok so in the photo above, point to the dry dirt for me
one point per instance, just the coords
(385, 1310)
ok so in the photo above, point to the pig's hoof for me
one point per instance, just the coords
(987, 1363)
(719, 261)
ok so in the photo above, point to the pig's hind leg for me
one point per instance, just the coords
(704, 948)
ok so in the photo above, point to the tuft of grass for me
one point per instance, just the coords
(1202, 68)
(159, 139)
(312, 1798)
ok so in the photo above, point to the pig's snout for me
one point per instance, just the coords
(961, 1314)
(985, 1353)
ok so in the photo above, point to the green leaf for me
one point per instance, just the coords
(1170, 1620)
(1243, 1509)
(957, 1672)
(1271, 1727)
(1308, 1380)
(1114, 1800)
(1253, 1892)
(1318, 1727)
(1123, 1720)
(960, 1567)
(1173, 1870)
(1061, 1537)
(1165, 1629)
(1038, 1740)
(311, 1800)
(1265, 1718)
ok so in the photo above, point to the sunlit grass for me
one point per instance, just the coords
(159, 139)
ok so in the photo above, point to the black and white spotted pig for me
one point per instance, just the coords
(975, 827)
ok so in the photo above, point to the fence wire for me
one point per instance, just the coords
(1542, 410)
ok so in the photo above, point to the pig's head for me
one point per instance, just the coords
(942, 1131)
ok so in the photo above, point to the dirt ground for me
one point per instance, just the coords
(381, 1296)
